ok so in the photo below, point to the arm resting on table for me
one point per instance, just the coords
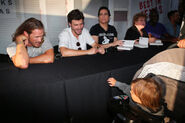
(47, 57)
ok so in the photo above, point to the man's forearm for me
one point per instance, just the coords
(21, 58)
(107, 45)
(71, 52)
(47, 57)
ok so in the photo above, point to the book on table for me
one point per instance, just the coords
(157, 43)
(143, 43)
(127, 45)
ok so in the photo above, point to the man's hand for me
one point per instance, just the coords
(101, 50)
(136, 41)
(181, 43)
(21, 58)
(118, 42)
(22, 39)
(92, 51)
(152, 39)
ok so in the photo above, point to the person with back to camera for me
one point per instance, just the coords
(73, 40)
(103, 33)
(29, 45)
(144, 94)
(137, 29)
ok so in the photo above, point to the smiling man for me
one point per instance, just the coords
(73, 40)
(29, 45)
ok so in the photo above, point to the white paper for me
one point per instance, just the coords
(123, 48)
(143, 41)
(157, 43)
(127, 45)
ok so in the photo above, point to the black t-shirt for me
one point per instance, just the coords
(104, 37)
(133, 33)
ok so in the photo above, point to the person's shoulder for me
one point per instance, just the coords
(95, 29)
(147, 25)
(131, 28)
(160, 24)
(65, 32)
(12, 44)
(68, 29)
(111, 27)
(46, 40)
(85, 30)
(11, 49)
(95, 26)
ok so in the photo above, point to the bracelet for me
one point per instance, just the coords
(19, 42)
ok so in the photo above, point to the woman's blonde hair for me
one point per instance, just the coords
(137, 16)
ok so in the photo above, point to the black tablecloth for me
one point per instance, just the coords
(73, 88)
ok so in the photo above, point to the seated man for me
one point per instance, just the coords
(29, 45)
(172, 26)
(73, 41)
(156, 29)
(103, 33)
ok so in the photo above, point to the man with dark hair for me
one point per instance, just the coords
(29, 45)
(73, 40)
(156, 29)
(172, 26)
(103, 33)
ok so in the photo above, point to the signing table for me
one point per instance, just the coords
(72, 89)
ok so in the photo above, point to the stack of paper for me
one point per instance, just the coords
(127, 45)
(157, 43)
(143, 43)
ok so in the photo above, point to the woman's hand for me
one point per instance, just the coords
(118, 43)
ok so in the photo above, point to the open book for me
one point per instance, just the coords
(143, 43)
(127, 45)
(157, 43)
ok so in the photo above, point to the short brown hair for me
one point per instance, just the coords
(137, 16)
(28, 25)
(148, 91)
(75, 14)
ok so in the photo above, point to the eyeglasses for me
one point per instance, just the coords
(78, 44)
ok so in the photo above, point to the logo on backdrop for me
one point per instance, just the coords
(7, 8)
(146, 5)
